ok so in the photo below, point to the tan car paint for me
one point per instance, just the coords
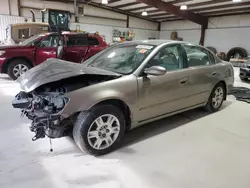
(151, 98)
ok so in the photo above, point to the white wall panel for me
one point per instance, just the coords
(5, 20)
(94, 11)
(25, 12)
(47, 4)
(102, 21)
(225, 39)
(192, 36)
(223, 33)
(4, 8)
(142, 24)
(14, 8)
(179, 25)
(141, 34)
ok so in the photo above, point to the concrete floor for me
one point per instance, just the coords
(190, 150)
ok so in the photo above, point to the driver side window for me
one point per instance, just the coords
(169, 57)
(49, 41)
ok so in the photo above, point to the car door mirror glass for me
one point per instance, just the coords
(155, 71)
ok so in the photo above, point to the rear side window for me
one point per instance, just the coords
(198, 56)
(79, 40)
(93, 41)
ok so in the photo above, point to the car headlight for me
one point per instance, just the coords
(2, 52)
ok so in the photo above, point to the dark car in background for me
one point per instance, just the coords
(245, 72)
(74, 47)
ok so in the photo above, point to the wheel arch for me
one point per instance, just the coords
(122, 106)
(6, 64)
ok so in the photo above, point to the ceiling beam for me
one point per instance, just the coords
(113, 1)
(222, 6)
(231, 14)
(226, 11)
(121, 11)
(168, 7)
(158, 15)
(127, 5)
(209, 3)
(139, 8)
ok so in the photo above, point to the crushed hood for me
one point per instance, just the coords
(53, 70)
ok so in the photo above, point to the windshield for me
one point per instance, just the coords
(122, 59)
(31, 40)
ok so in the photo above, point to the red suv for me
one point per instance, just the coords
(75, 47)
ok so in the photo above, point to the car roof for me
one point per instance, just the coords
(153, 42)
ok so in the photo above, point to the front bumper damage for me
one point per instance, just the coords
(44, 109)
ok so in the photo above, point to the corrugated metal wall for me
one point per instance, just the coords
(223, 33)
(5, 20)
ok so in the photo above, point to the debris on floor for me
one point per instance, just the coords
(241, 94)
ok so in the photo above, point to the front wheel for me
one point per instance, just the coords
(216, 98)
(17, 67)
(99, 130)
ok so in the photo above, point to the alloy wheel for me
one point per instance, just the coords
(103, 132)
(217, 97)
(19, 69)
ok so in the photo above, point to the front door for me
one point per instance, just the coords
(76, 48)
(160, 95)
(47, 48)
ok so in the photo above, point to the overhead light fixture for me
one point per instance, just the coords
(104, 2)
(237, 1)
(144, 13)
(183, 7)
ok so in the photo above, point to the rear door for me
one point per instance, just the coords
(203, 72)
(47, 48)
(76, 47)
(95, 46)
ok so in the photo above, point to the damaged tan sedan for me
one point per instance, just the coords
(120, 88)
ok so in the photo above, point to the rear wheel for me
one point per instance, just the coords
(99, 130)
(244, 79)
(216, 98)
(17, 67)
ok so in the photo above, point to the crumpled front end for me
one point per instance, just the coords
(45, 105)
(44, 109)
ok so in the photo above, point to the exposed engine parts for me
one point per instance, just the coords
(44, 111)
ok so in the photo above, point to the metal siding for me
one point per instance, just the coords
(5, 20)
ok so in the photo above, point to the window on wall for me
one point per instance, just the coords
(198, 56)
(23, 33)
(169, 57)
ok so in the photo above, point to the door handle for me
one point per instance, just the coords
(184, 81)
(214, 73)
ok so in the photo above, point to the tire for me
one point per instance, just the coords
(13, 64)
(212, 49)
(240, 51)
(222, 56)
(210, 107)
(85, 124)
(244, 79)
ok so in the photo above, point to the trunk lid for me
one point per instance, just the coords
(53, 70)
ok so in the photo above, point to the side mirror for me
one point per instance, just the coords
(155, 71)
